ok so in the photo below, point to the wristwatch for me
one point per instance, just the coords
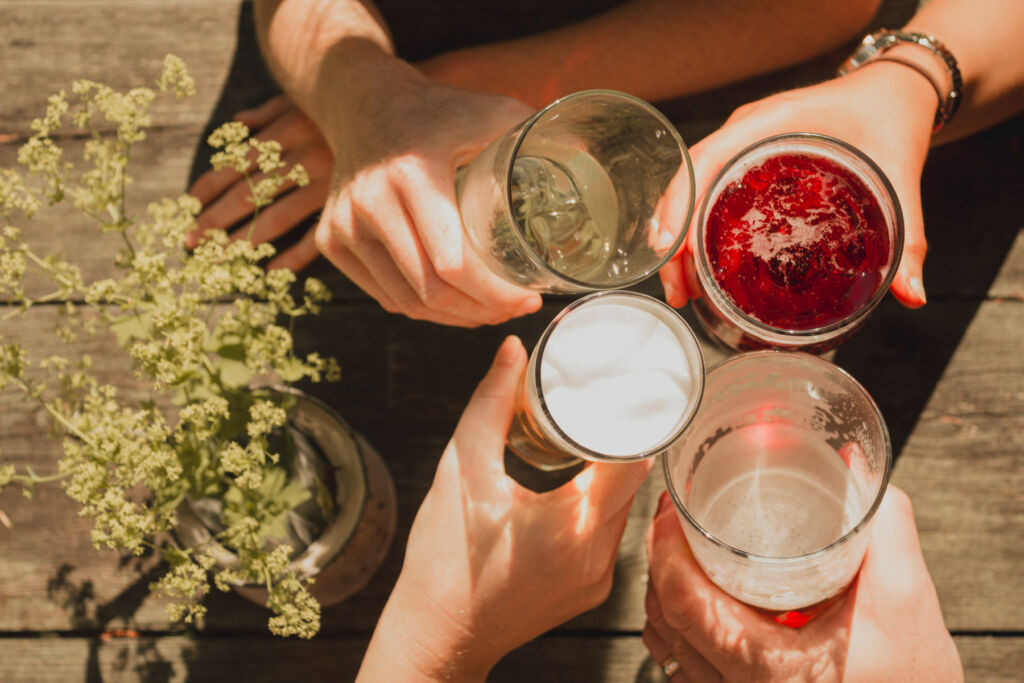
(934, 59)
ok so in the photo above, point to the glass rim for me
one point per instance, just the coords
(781, 334)
(698, 374)
(868, 515)
(528, 125)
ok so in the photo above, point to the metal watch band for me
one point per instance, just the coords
(877, 44)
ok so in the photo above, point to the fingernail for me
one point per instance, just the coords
(670, 293)
(917, 287)
(245, 113)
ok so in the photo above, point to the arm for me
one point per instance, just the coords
(656, 49)
(886, 110)
(390, 222)
(985, 39)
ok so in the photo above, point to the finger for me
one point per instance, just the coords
(699, 610)
(259, 116)
(671, 276)
(405, 271)
(484, 424)
(291, 128)
(285, 213)
(608, 488)
(212, 184)
(453, 258)
(345, 261)
(380, 264)
(288, 126)
(661, 652)
(236, 203)
(693, 665)
(328, 244)
(300, 255)
(894, 566)
(908, 286)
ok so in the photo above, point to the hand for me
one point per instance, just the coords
(886, 110)
(888, 626)
(225, 193)
(491, 565)
(392, 224)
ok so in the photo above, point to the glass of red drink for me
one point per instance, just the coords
(799, 238)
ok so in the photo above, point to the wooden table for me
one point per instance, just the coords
(949, 378)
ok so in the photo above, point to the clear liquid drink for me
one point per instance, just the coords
(778, 477)
(595, 191)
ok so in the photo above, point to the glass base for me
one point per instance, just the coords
(538, 480)
(795, 618)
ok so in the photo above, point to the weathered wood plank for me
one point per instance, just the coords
(1010, 282)
(48, 44)
(961, 466)
(550, 658)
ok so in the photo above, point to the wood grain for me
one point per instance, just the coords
(961, 467)
(551, 659)
(949, 378)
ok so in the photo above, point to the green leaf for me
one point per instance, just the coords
(294, 494)
(292, 370)
(234, 373)
(285, 499)
(130, 327)
(231, 351)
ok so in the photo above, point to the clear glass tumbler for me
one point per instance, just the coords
(798, 239)
(595, 191)
(615, 377)
(777, 479)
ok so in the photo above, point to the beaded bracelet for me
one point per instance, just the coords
(875, 45)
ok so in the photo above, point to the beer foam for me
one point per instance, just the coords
(615, 378)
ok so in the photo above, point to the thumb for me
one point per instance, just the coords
(610, 486)
(485, 421)
(908, 285)
(894, 570)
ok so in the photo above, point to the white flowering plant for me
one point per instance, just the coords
(199, 326)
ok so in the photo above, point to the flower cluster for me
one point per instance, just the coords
(200, 327)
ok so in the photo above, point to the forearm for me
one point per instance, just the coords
(319, 49)
(985, 38)
(411, 643)
(657, 49)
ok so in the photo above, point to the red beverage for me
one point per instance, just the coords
(800, 236)
(798, 242)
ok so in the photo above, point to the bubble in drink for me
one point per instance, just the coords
(775, 490)
(616, 379)
(798, 242)
(780, 491)
(566, 222)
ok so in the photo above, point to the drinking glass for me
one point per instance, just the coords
(777, 479)
(798, 239)
(595, 191)
(615, 377)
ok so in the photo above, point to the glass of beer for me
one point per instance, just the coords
(595, 191)
(777, 479)
(616, 377)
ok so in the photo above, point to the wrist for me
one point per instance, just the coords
(417, 639)
(899, 90)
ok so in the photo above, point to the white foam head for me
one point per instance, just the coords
(617, 378)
